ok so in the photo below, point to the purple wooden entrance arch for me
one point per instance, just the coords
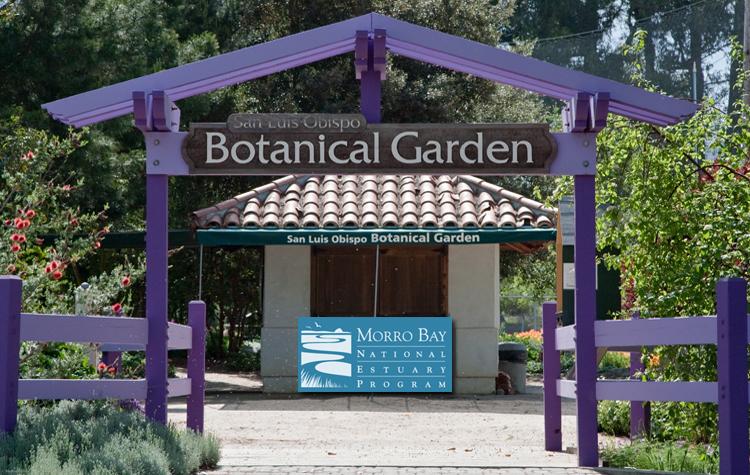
(588, 101)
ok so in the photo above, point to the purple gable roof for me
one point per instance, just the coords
(402, 38)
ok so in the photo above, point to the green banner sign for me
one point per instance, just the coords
(365, 237)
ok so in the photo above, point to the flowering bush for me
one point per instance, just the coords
(42, 237)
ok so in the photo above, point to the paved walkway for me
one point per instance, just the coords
(275, 470)
(381, 433)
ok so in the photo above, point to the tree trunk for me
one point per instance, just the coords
(746, 51)
(737, 30)
(696, 61)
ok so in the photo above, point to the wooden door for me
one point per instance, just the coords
(412, 281)
(343, 281)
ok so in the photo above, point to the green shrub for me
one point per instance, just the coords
(614, 417)
(615, 360)
(95, 437)
(669, 457)
(533, 341)
(247, 359)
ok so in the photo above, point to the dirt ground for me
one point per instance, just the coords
(395, 430)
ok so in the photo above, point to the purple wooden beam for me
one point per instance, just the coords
(684, 391)
(585, 318)
(551, 372)
(212, 73)
(731, 356)
(361, 52)
(156, 296)
(599, 108)
(403, 38)
(87, 389)
(369, 78)
(180, 336)
(379, 62)
(534, 75)
(656, 332)
(197, 365)
(10, 345)
(177, 387)
(579, 112)
(75, 329)
(640, 411)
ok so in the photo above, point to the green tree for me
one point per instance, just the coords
(676, 206)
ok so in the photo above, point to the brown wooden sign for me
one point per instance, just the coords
(267, 144)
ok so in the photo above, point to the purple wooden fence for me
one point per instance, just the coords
(116, 333)
(728, 330)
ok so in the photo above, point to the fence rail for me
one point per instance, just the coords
(77, 329)
(87, 389)
(728, 330)
(632, 335)
(114, 333)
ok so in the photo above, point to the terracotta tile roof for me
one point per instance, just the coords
(377, 201)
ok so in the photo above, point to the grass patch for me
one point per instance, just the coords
(664, 456)
(77, 438)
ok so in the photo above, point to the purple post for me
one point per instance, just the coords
(640, 411)
(369, 83)
(156, 296)
(369, 100)
(585, 317)
(731, 355)
(196, 365)
(551, 367)
(10, 345)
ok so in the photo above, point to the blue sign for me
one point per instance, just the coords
(375, 355)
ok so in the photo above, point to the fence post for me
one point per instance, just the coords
(551, 372)
(584, 203)
(196, 365)
(10, 345)
(640, 411)
(731, 355)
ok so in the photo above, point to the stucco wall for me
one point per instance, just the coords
(286, 296)
(473, 302)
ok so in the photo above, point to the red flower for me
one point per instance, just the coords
(14, 237)
(21, 238)
(26, 223)
(7, 222)
(97, 245)
(11, 269)
(101, 366)
(54, 265)
(112, 370)
(67, 187)
(28, 155)
(47, 269)
(74, 222)
(57, 275)
(30, 213)
(15, 248)
(117, 308)
(125, 281)
(19, 223)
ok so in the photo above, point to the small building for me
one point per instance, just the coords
(381, 245)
